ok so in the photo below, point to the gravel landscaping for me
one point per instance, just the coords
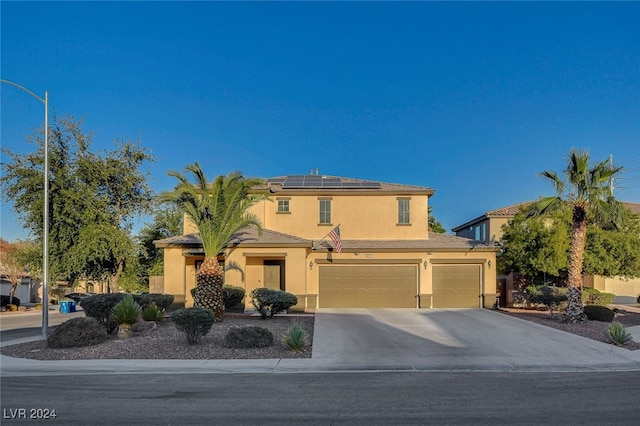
(166, 342)
(595, 330)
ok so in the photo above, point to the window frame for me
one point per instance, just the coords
(404, 210)
(324, 214)
(283, 202)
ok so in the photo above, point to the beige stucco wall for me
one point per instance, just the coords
(360, 216)
(626, 290)
(301, 270)
(174, 274)
(425, 288)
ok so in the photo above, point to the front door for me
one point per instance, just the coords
(274, 274)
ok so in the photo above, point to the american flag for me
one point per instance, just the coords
(335, 237)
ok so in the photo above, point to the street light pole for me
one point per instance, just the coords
(45, 214)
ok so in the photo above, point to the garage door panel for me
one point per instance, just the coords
(456, 286)
(367, 286)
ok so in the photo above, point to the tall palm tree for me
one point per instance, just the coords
(218, 210)
(586, 191)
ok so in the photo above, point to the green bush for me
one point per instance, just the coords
(152, 313)
(248, 337)
(232, 295)
(162, 301)
(127, 311)
(296, 338)
(193, 322)
(76, 333)
(99, 307)
(592, 296)
(599, 313)
(269, 302)
(552, 297)
(618, 335)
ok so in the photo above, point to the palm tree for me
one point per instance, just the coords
(218, 210)
(587, 193)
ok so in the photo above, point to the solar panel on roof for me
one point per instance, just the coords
(317, 182)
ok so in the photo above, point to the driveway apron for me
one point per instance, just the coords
(454, 339)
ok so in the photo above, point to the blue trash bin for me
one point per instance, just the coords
(65, 307)
(72, 307)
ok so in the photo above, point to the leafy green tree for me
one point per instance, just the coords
(167, 222)
(434, 225)
(612, 252)
(94, 199)
(218, 210)
(586, 190)
(535, 246)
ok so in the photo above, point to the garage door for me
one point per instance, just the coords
(456, 286)
(368, 286)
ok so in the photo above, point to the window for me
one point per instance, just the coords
(283, 205)
(480, 232)
(325, 211)
(403, 211)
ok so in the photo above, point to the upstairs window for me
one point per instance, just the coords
(325, 211)
(403, 211)
(283, 205)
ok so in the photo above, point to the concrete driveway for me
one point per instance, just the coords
(467, 339)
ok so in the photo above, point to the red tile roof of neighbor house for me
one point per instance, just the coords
(512, 210)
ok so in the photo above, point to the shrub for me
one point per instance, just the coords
(11, 307)
(618, 335)
(552, 297)
(162, 301)
(152, 313)
(232, 295)
(248, 337)
(77, 332)
(194, 322)
(599, 313)
(269, 302)
(296, 338)
(127, 311)
(4, 301)
(592, 296)
(99, 306)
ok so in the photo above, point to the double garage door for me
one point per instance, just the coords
(368, 286)
(396, 286)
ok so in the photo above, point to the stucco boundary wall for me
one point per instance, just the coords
(626, 290)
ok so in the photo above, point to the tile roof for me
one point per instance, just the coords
(246, 237)
(435, 242)
(249, 238)
(512, 210)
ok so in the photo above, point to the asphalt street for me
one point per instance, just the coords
(372, 398)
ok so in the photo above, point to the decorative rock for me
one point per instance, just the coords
(143, 326)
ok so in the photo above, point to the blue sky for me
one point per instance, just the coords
(471, 99)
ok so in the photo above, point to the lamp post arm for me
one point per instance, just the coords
(24, 89)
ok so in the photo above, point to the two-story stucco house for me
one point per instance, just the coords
(387, 259)
(488, 229)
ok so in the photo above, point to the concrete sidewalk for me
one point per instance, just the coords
(357, 340)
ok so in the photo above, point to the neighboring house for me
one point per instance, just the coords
(26, 291)
(388, 258)
(488, 229)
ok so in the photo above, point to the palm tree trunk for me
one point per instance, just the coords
(209, 282)
(574, 312)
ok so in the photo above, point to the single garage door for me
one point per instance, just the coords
(456, 286)
(368, 286)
